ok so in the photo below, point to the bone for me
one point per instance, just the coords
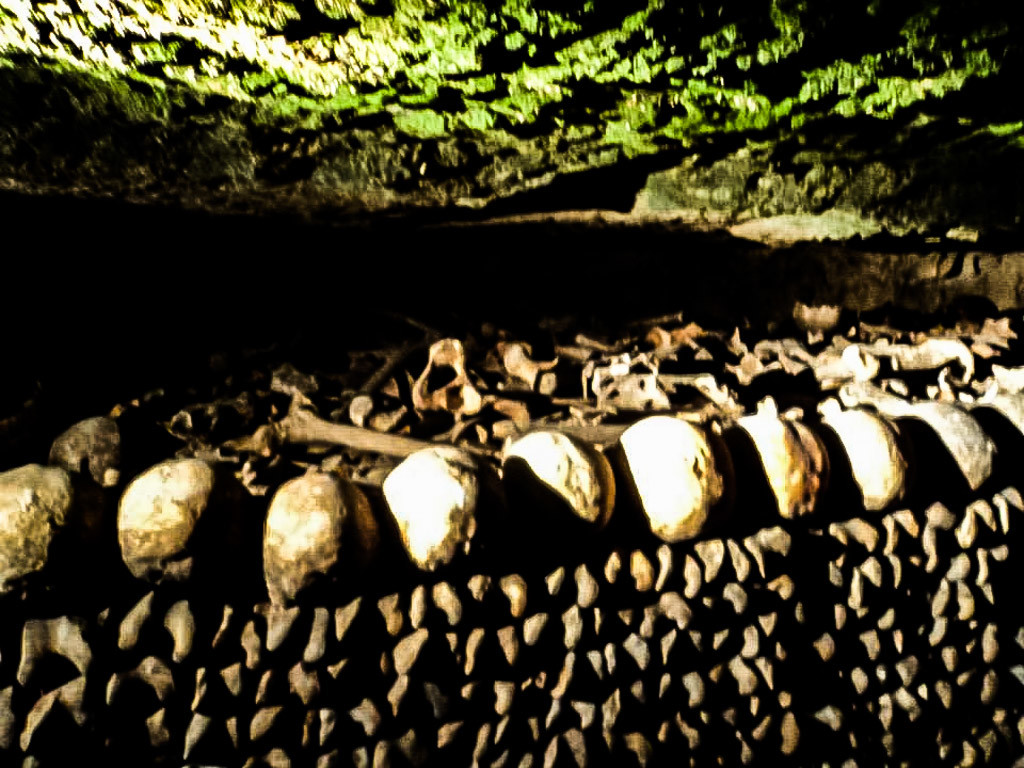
(302, 427)
(197, 729)
(586, 587)
(740, 562)
(418, 606)
(675, 475)
(407, 650)
(344, 616)
(151, 671)
(390, 610)
(746, 679)
(573, 470)
(309, 520)
(7, 718)
(573, 623)
(432, 497)
(642, 571)
(317, 644)
(504, 692)
(225, 624)
(692, 577)
(34, 505)
(792, 459)
(437, 700)
(251, 645)
(446, 733)
(638, 649)
(514, 587)
(509, 643)
(157, 515)
(397, 693)
(532, 628)
(156, 726)
(554, 580)
(473, 642)
(878, 466)
(37, 716)
(232, 677)
(790, 734)
(95, 442)
(133, 622)
(478, 586)
(577, 745)
(458, 395)
(665, 562)
(712, 554)
(963, 437)
(447, 600)
(182, 626)
(62, 636)
(862, 532)
(263, 690)
(328, 722)
(673, 607)
(280, 621)
(200, 689)
(565, 676)
(262, 722)
(304, 683)
(366, 715)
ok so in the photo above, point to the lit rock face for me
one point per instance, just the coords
(792, 458)
(370, 93)
(307, 522)
(157, 516)
(432, 495)
(34, 504)
(674, 472)
(578, 475)
(876, 462)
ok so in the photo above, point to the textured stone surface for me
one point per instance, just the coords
(788, 120)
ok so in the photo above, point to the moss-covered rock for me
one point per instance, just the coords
(897, 114)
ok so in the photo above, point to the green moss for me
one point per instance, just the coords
(421, 123)
(1006, 129)
(592, 80)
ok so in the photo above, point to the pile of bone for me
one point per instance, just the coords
(679, 466)
(863, 617)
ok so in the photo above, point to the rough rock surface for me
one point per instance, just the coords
(787, 120)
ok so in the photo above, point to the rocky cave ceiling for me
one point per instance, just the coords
(774, 119)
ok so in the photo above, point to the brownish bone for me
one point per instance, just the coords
(302, 427)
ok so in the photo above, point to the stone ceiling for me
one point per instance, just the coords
(776, 120)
